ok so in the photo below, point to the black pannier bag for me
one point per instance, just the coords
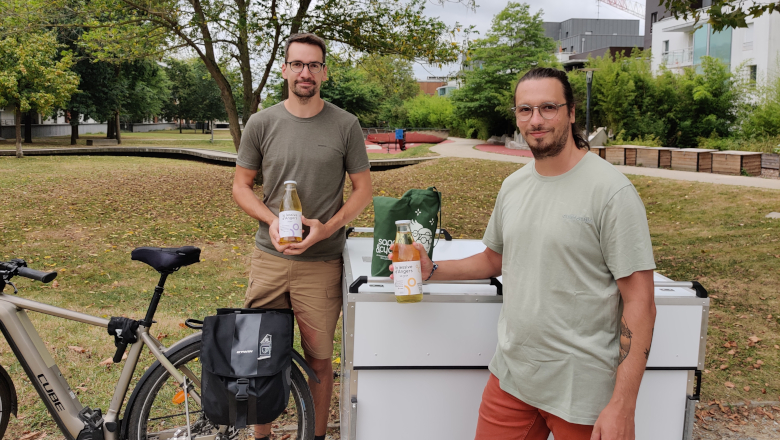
(246, 359)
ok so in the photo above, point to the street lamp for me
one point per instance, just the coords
(589, 81)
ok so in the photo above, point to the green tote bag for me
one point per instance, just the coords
(421, 206)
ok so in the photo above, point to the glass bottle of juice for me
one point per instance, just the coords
(290, 215)
(406, 265)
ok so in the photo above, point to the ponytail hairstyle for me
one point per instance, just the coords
(568, 93)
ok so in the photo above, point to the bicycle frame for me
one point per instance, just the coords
(48, 381)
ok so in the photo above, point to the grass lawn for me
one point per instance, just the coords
(423, 150)
(160, 138)
(83, 215)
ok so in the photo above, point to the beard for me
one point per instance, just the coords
(303, 94)
(550, 149)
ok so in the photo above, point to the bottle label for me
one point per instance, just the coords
(290, 224)
(408, 278)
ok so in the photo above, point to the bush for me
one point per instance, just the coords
(427, 111)
(644, 141)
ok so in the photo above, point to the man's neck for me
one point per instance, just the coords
(562, 163)
(304, 109)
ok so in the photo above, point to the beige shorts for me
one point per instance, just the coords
(311, 288)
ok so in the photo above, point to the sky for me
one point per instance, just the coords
(553, 10)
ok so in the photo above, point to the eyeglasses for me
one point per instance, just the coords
(548, 110)
(297, 66)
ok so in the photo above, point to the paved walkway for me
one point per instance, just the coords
(465, 148)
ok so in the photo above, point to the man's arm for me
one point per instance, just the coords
(616, 421)
(244, 195)
(355, 204)
(479, 266)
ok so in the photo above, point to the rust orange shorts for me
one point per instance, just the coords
(311, 288)
(504, 416)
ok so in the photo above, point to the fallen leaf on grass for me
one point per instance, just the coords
(182, 325)
(746, 388)
(33, 435)
(723, 367)
(77, 349)
(55, 284)
(285, 437)
(754, 339)
(106, 362)
(162, 336)
(81, 388)
(731, 352)
(729, 385)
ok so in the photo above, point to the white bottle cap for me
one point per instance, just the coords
(290, 181)
(403, 222)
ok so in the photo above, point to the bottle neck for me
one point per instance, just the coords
(403, 235)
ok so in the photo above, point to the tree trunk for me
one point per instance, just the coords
(179, 125)
(110, 126)
(211, 130)
(118, 132)
(18, 123)
(28, 127)
(74, 127)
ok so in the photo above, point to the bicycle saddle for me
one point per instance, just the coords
(167, 260)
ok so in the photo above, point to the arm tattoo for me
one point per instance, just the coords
(625, 340)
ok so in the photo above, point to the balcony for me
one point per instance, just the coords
(678, 58)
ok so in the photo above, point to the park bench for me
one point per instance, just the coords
(101, 142)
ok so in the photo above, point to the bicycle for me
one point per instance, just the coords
(159, 408)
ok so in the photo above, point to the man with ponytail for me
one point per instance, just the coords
(569, 235)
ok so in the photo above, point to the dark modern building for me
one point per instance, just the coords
(580, 35)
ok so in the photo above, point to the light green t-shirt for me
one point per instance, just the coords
(316, 152)
(564, 241)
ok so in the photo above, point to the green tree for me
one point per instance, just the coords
(514, 44)
(252, 34)
(351, 89)
(425, 111)
(721, 13)
(32, 77)
(760, 116)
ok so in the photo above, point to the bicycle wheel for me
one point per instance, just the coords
(5, 406)
(156, 416)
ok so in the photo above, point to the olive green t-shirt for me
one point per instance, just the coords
(564, 240)
(316, 152)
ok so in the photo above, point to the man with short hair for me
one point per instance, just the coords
(569, 235)
(314, 143)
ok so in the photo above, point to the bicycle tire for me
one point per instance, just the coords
(6, 402)
(153, 403)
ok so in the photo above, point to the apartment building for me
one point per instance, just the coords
(680, 43)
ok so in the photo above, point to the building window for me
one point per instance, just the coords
(747, 39)
(653, 19)
(567, 34)
(666, 46)
(753, 73)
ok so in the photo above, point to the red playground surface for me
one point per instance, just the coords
(411, 137)
(500, 149)
(376, 148)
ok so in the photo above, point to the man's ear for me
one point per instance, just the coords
(572, 114)
(284, 70)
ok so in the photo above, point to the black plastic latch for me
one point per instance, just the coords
(697, 392)
(359, 281)
(350, 230)
(243, 384)
(701, 292)
(499, 286)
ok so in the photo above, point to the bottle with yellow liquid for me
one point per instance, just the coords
(290, 228)
(406, 265)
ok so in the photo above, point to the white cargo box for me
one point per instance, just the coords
(417, 371)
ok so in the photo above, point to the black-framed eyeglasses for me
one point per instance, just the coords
(548, 110)
(297, 66)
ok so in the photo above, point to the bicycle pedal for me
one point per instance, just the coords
(93, 424)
